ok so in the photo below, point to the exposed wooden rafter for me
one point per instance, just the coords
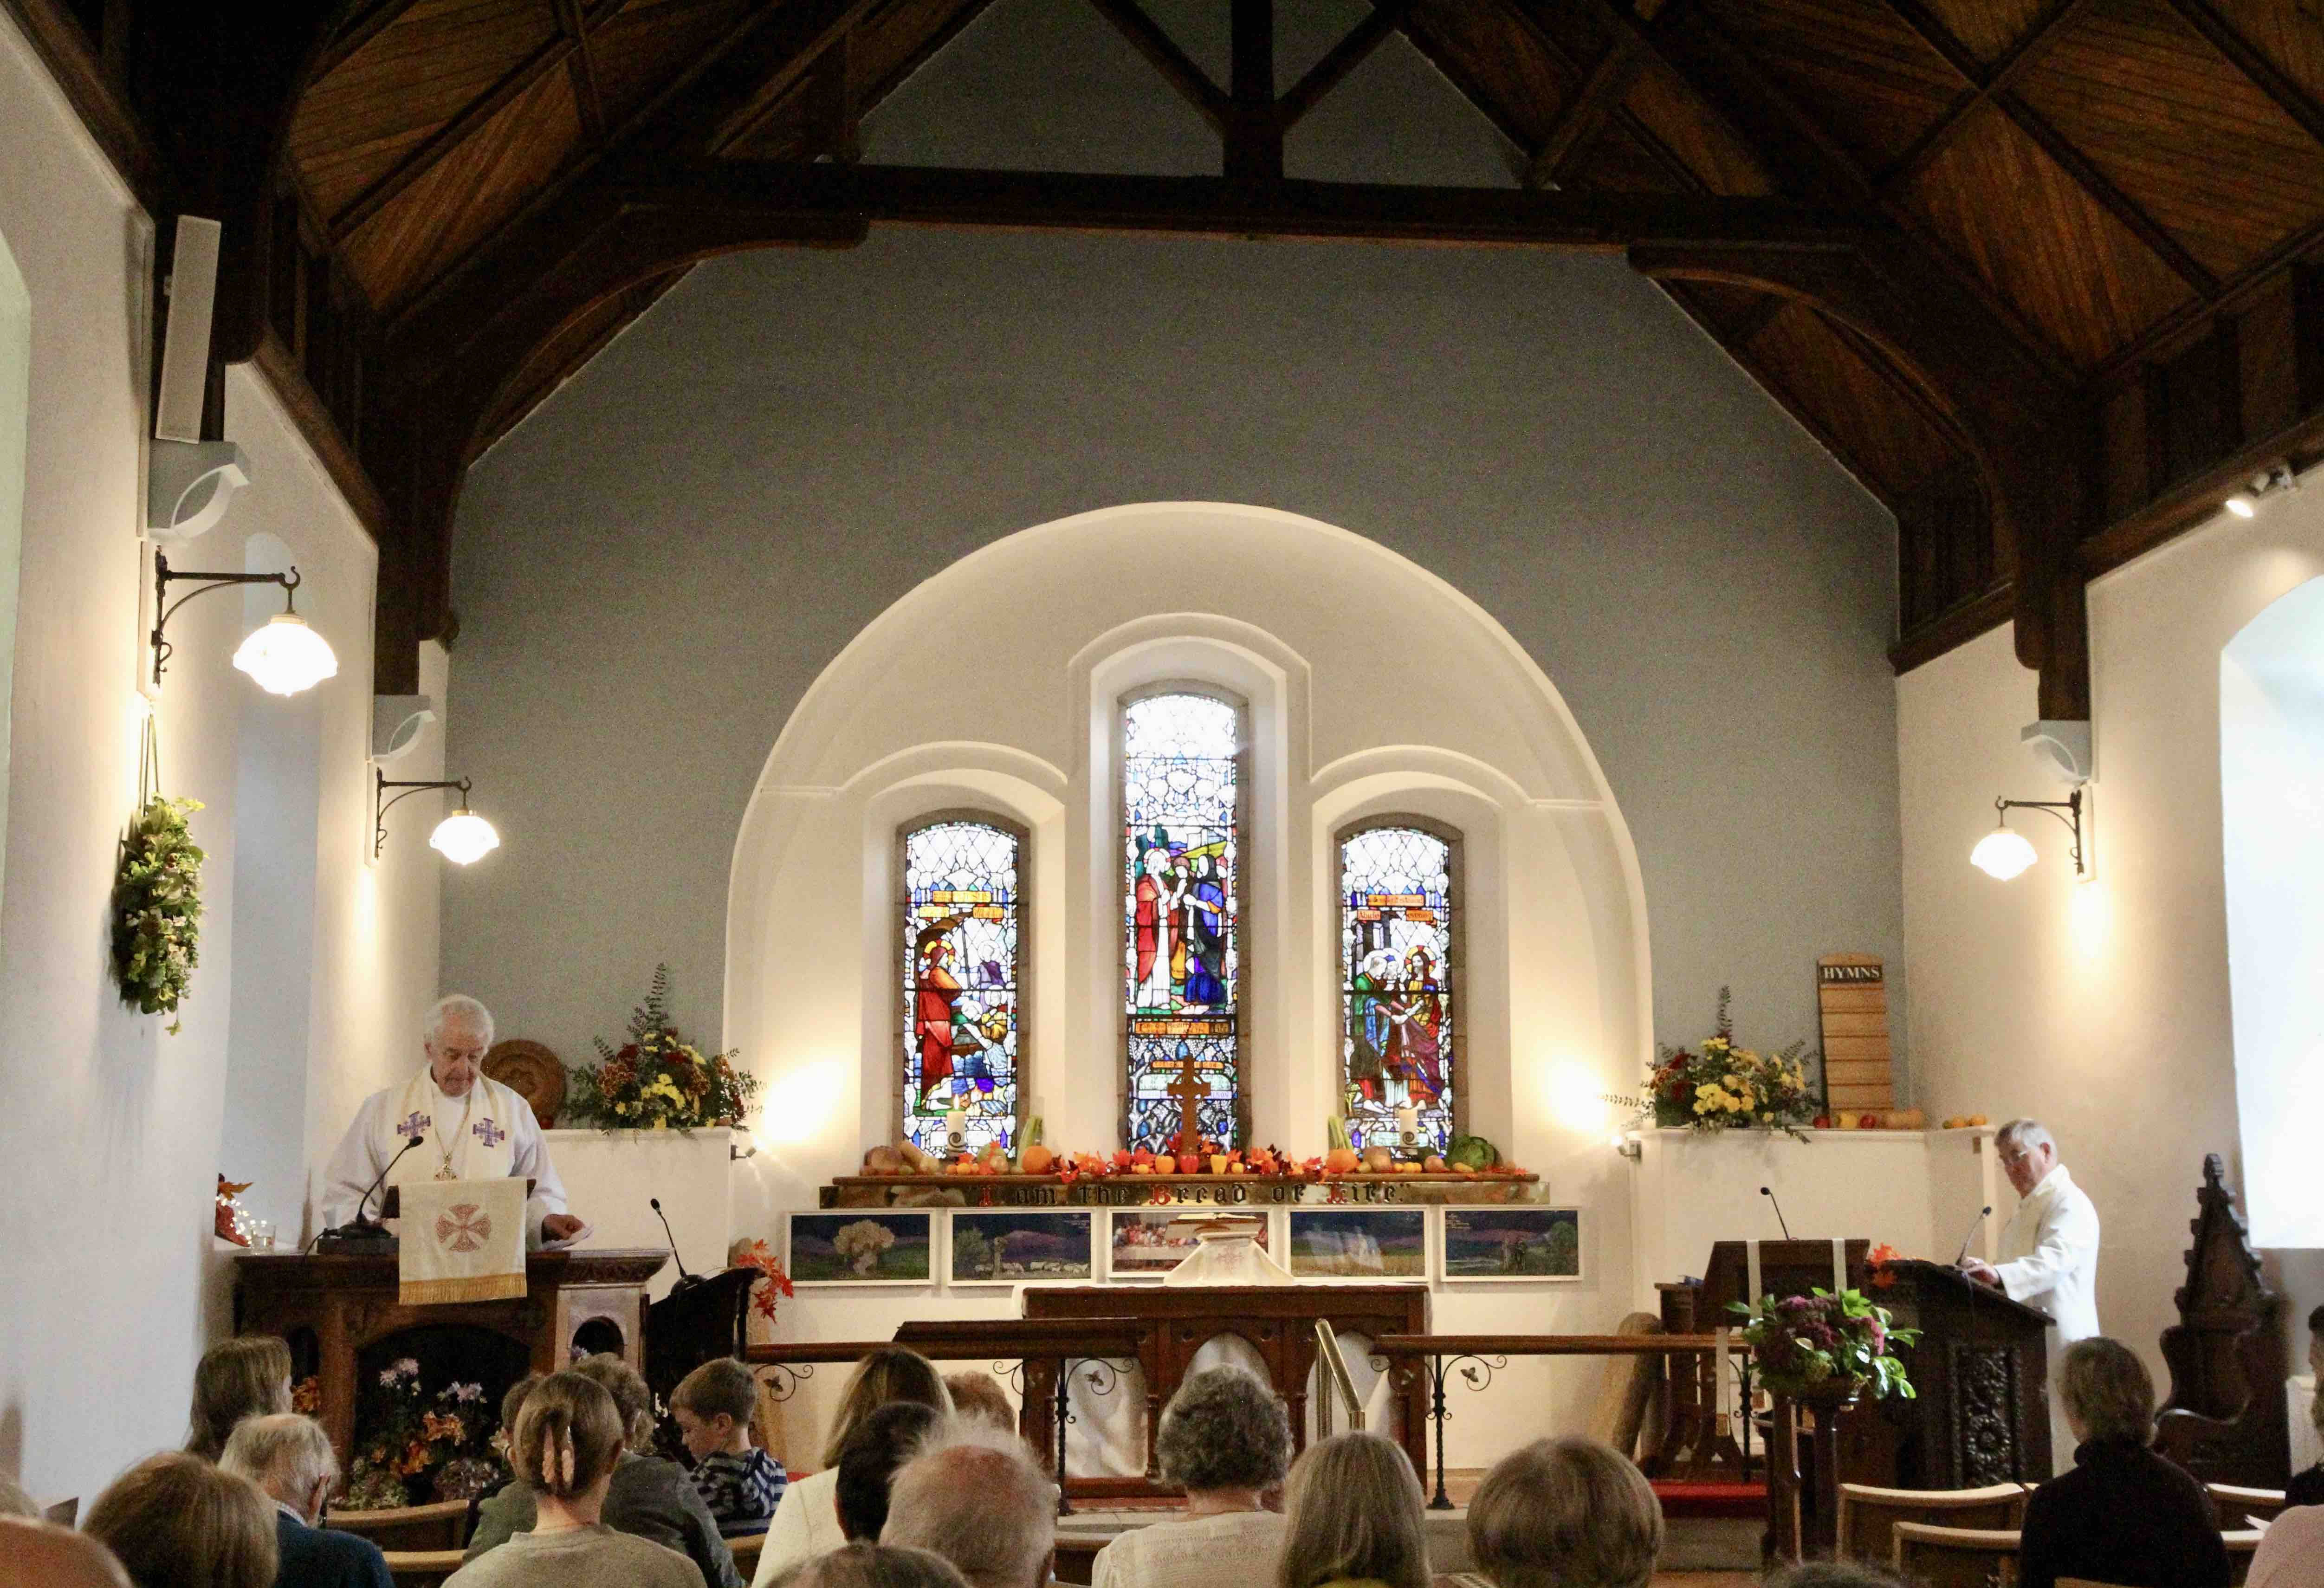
(1571, 143)
(1987, 82)
(1188, 80)
(2247, 58)
(1351, 52)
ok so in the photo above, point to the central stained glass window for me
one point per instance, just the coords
(1397, 1041)
(1182, 863)
(960, 937)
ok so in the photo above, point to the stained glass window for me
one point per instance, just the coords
(960, 938)
(1397, 947)
(1181, 860)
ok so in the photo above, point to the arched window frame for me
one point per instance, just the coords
(1115, 860)
(1456, 951)
(903, 969)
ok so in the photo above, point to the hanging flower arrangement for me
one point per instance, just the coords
(658, 1081)
(157, 907)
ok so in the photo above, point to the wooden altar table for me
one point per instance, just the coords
(330, 1308)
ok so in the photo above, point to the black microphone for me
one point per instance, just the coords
(686, 1281)
(361, 1223)
(1769, 1194)
(1983, 1213)
(363, 1235)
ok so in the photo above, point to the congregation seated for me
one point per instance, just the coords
(976, 1497)
(2306, 1487)
(174, 1520)
(649, 1496)
(739, 1483)
(2291, 1554)
(1226, 1440)
(1568, 1513)
(247, 1376)
(976, 1394)
(2124, 1515)
(874, 1565)
(1352, 1518)
(291, 1460)
(868, 1463)
(806, 1521)
(566, 1447)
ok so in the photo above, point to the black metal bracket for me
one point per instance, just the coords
(164, 574)
(1479, 1375)
(2072, 820)
(381, 805)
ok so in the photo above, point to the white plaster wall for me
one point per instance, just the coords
(2103, 1008)
(111, 1136)
(15, 374)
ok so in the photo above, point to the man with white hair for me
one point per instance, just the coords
(466, 1127)
(975, 1496)
(2049, 1252)
(290, 1457)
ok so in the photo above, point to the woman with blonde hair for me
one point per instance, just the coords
(806, 1521)
(174, 1520)
(1353, 1517)
(248, 1376)
(649, 1496)
(565, 1445)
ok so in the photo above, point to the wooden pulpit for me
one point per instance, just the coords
(332, 1310)
(1981, 1414)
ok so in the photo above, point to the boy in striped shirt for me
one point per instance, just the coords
(740, 1483)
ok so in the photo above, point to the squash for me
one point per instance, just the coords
(1036, 1159)
(1378, 1161)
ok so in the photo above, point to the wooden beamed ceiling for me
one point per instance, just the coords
(2044, 274)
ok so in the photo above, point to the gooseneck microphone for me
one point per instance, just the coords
(360, 1221)
(1768, 1192)
(686, 1281)
(364, 1235)
(1983, 1213)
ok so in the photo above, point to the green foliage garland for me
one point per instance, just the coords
(157, 902)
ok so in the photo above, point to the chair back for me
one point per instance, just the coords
(746, 1548)
(1957, 1557)
(422, 1528)
(2233, 1504)
(1868, 1516)
(2240, 1542)
(64, 1513)
(421, 1568)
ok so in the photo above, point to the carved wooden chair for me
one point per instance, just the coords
(1868, 1516)
(421, 1568)
(1957, 1557)
(422, 1528)
(2240, 1542)
(2225, 1419)
(2234, 1505)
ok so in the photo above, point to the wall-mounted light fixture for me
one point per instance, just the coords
(464, 837)
(2004, 852)
(1628, 1144)
(2276, 476)
(283, 655)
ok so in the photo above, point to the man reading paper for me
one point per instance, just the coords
(468, 1128)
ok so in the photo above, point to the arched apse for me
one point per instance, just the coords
(15, 399)
(1372, 686)
(2272, 830)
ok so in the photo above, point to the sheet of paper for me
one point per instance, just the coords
(577, 1238)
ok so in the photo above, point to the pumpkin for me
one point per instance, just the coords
(1036, 1159)
(1342, 1160)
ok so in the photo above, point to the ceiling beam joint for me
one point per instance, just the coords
(1582, 122)
(1162, 53)
(1340, 60)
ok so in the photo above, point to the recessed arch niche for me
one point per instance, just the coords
(1372, 686)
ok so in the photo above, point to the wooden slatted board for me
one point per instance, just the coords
(1852, 997)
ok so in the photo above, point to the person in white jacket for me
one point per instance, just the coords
(2049, 1254)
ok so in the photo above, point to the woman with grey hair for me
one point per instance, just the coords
(874, 1565)
(1564, 1513)
(2124, 1516)
(1225, 1440)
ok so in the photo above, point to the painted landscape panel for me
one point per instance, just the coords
(1359, 1243)
(1011, 1248)
(1512, 1244)
(860, 1249)
(1150, 1241)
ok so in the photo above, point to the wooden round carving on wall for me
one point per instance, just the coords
(533, 1073)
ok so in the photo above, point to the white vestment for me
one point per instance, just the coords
(2050, 1260)
(488, 1132)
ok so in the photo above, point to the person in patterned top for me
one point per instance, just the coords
(740, 1483)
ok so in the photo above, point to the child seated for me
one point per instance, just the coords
(711, 1405)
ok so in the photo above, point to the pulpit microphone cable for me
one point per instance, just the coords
(686, 1281)
(1769, 1193)
(1983, 1213)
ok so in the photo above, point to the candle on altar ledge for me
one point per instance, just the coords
(957, 1122)
(1407, 1120)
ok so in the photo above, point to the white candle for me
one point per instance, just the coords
(1407, 1120)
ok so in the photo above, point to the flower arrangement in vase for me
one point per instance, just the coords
(658, 1081)
(1728, 1087)
(1826, 1346)
(418, 1446)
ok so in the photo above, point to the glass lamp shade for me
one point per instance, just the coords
(464, 837)
(2002, 854)
(284, 656)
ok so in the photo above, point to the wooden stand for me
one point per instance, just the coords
(329, 1309)
(2224, 1421)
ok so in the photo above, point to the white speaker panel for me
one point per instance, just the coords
(186, 344)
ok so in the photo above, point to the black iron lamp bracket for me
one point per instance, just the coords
(164, 576)
(2071, 818)
(382, 804)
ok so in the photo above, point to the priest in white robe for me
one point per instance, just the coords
(467, 1126)
(2049, 1254)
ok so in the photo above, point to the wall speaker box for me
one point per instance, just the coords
(186, 342)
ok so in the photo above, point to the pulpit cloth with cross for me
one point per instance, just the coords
(461, 1240)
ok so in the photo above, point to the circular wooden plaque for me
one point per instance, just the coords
(533, 1073)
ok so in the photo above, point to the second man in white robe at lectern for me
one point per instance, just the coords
(469, 1127)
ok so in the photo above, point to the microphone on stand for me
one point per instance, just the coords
(1768, 1192)
(362, 1233)
(686, 1281)
(1983, 1213)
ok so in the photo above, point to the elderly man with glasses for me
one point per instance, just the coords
(2049, 1252)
